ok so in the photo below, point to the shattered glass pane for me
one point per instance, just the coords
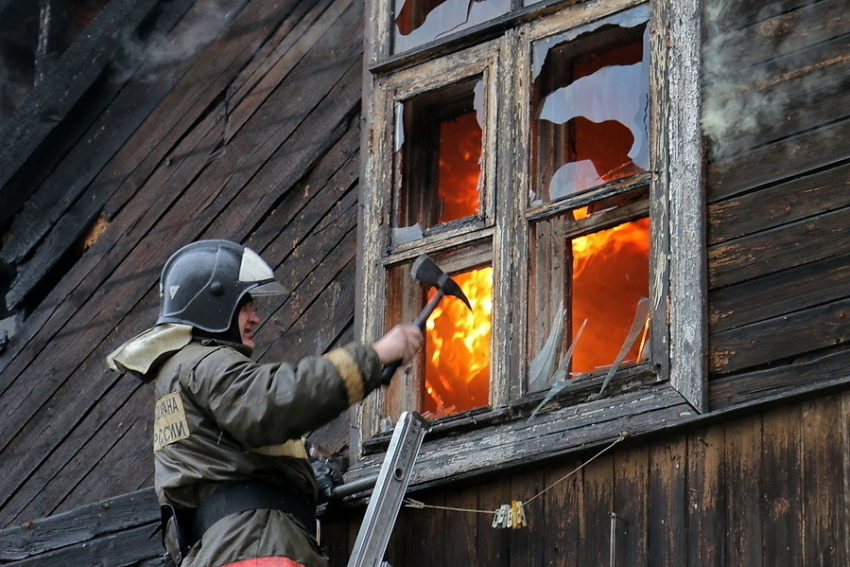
(601, 278)
(439, 139)
(590, 107)
(418, 22)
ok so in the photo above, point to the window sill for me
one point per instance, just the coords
(488, 440)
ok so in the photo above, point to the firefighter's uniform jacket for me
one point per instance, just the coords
(220, 418)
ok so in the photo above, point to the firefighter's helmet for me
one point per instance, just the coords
(203, 283)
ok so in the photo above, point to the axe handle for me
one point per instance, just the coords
(390, 369)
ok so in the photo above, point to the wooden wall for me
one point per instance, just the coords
(253, 136)
(778, 188)
(767, 490)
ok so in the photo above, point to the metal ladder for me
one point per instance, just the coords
(387, 497)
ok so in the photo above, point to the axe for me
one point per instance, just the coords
(426, 271)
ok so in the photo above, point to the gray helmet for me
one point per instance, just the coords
(203, 283)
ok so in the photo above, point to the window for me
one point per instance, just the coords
(546, 155)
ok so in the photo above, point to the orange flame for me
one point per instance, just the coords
(457, 350)
(610, 276)
(459, 167)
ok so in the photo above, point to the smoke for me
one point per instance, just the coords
(745, 72)
(157, 54)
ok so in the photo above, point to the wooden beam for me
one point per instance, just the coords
(51, 101)
(80, 525)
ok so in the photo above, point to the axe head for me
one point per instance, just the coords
(426, 271)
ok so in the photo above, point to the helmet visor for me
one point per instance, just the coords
(269, 288)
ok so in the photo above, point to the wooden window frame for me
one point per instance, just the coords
(642, 400)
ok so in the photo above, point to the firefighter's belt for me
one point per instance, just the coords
(249, 495)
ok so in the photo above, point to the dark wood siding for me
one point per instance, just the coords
(768, 489)
(253, 137)
(779, 198)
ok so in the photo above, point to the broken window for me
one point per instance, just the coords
(590, 261)
(417, 22)
(590, 113)
(532, 148)
(439, 141)
(454, 373)
(595, 282)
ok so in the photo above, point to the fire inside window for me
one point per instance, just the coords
(590, 264)
(457, 348)
(439, 172)
(439, 154)
(591, 109)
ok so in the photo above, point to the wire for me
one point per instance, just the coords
(412, 503)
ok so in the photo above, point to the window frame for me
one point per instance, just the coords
(676, 209)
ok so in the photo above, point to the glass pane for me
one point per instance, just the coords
(418, 22)
(590, 108)
(585, 290)
(439, 141)
(457, 348)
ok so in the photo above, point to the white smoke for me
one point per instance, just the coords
(742, 96)
(149, 58)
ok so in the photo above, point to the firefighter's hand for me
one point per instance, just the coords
(328, 477)
(401, 343)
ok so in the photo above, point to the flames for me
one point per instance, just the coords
(610, 276)
(457, 347)
(459, 167)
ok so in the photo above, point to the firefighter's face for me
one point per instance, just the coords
(248, 320)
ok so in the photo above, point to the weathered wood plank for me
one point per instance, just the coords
(774, 163)
(128, 547)
(526, 544)
(107, 134)
(80, 525)
(67, 466)
(706, 505)
(782, 495)
(779, 249)
(295, 40)
(771, 383)
(667, 503)
(783, 337)
(790, 201)
(493, 545)
(461, 528)
(784, 30)
(745, 14)
(548, 435)
(822, 495)
(778, 294)
(631, 504)
(744, 474)
(595, 505)
(49, 103)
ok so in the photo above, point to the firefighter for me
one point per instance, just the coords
(232, 472)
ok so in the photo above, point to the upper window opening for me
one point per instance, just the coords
(590, 113)
(439, 158)
(417, 22)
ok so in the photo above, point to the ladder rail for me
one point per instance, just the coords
(388, 494)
